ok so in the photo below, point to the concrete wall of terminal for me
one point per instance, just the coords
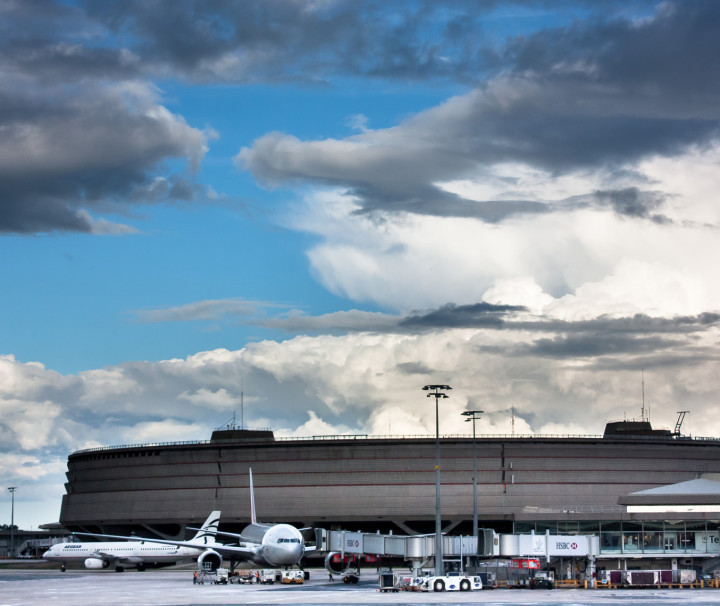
(342, 483)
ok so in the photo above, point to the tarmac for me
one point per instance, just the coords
(51, 587)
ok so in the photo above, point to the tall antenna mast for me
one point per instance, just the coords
(513, 420)
(642, 414)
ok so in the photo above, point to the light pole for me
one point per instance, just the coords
(474, 416)
(437, 394)
(12, 489)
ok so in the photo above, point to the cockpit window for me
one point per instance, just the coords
(288, 540)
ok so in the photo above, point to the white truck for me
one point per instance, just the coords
(268, 576)
(452, 582)
(221, 576)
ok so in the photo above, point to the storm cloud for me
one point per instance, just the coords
(93, 147)
(592, 94)
(576, 106)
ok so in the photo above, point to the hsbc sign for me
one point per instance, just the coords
(548, 545)
(353, 542)
(570, 546)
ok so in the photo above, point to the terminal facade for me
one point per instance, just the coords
(643, 494)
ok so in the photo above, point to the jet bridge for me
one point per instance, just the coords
(419, 550)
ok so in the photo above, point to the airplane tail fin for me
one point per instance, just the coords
(253, 517)
(206, 534)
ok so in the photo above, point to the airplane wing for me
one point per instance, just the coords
(239, 552)
(217, 532)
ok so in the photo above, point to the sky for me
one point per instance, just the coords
(296, 214)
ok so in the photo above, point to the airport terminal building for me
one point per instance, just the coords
(642, 491)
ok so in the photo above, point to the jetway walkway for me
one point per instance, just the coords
(419, 550)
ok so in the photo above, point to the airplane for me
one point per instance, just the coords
(272, 545)
(135, 552)
(268, 545)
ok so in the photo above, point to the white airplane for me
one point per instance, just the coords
(136, 552)
(272, 545)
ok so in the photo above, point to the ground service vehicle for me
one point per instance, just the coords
(221, 576)
(489, 579)
(392, 581)
(268, 576)
(451, 583)
(542, 580)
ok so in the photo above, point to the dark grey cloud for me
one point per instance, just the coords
(593, 97)
(429, 200)
(414, 368)
(58, 62)
(478, 315)
(266, 40)
(665, 66)
(597, 344)
(60, 42)
(637, 324)
(512, 317)
(630, 202)
(68, 150)
(276, 40)
(23, 214)
(481, 315)
(629, 343)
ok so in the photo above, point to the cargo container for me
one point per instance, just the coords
(648, 578)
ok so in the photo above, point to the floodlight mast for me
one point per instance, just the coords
(437, 394)
(11, 490)
(474, 416)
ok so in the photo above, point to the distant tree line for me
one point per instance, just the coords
(8, 527)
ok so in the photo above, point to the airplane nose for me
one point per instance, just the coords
(298, 551)
(293, 551)
(289, 553)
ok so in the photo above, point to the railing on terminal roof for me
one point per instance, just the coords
(493, 436)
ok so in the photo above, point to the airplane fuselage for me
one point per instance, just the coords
(103, 554)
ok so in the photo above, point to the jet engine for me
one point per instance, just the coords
(209, 560)
(96, 563)
(337, 563)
